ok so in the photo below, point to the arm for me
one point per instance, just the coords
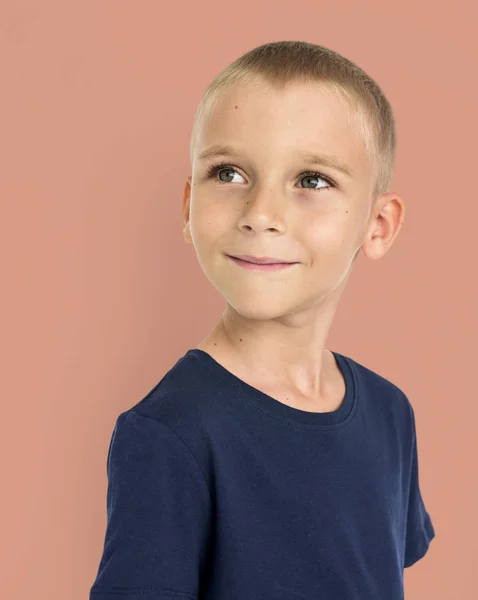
(158, 515)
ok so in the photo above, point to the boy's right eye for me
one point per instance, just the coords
(215, 169)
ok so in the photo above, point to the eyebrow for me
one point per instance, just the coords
(320, 159)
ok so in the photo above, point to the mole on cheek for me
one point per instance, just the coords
(235, 106)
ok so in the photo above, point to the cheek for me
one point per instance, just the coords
(208, 223)
(328, 234)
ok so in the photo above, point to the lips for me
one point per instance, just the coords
(260, 260)
(260, 267)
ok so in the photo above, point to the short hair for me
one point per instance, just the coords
(283, 62)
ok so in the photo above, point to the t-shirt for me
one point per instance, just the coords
(218, 491)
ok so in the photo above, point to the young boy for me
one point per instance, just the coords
(263, 465)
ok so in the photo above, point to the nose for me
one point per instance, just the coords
(263, 212)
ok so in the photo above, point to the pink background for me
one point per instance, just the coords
(101, 295)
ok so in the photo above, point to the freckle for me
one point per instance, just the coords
(240, 339)
(235, 106)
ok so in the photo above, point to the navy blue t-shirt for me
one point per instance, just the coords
(218, 491)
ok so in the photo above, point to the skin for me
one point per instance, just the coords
(274, 328)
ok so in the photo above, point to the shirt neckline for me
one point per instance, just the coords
(337, 418)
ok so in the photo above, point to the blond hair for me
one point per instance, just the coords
(283, 62)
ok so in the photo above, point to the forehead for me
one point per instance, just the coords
(309, 117)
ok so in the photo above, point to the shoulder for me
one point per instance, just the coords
(184, 404)
(379, 392)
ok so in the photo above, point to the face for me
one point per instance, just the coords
(264, 196)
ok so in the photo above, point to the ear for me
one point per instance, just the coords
(185, 211)
(386, 221)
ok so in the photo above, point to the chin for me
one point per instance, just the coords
(257, 310)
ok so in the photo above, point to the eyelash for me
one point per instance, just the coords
(215, 168)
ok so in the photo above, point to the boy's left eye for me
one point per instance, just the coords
(315, 175)
(216, 168)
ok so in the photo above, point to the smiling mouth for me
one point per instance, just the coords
(259, 266)
(264, 260)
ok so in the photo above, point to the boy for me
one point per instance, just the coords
(263, 465)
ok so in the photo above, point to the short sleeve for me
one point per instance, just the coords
(158, 515)
(419, 529)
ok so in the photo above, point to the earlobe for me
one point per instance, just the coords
(187, 234)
